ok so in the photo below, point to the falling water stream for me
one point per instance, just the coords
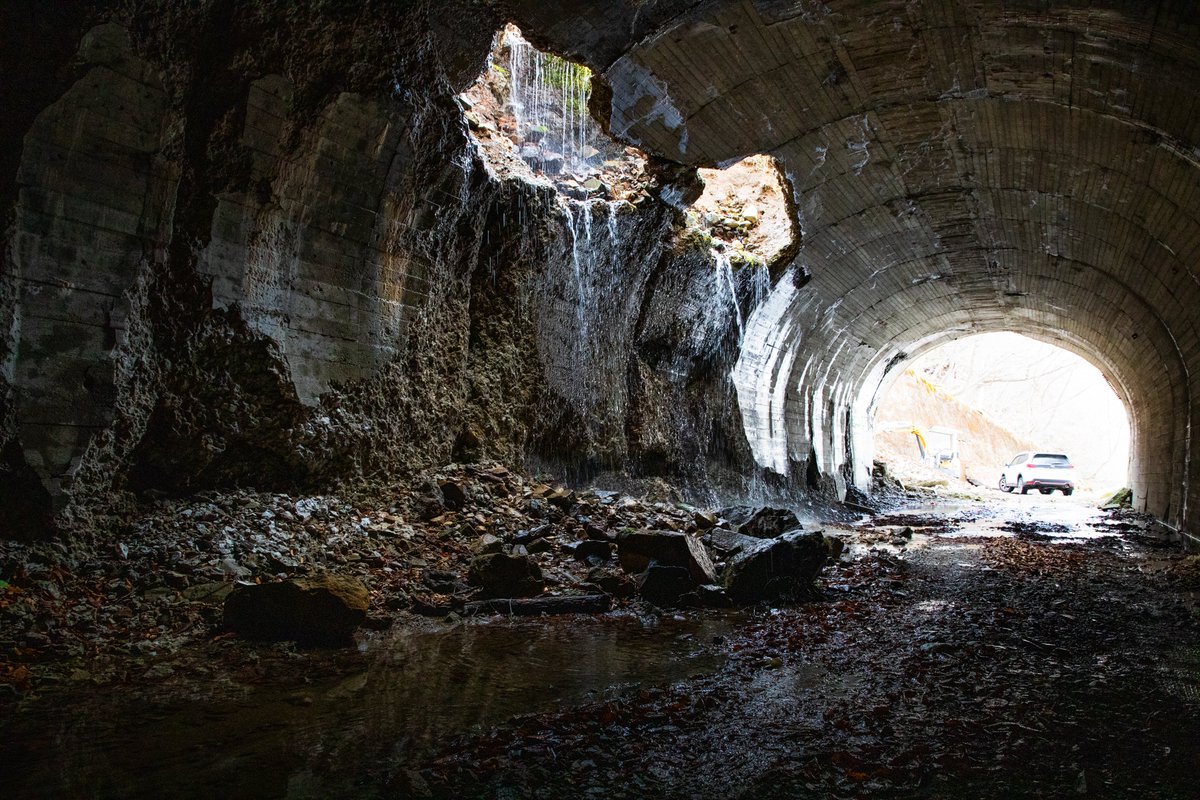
(549, 101)
(591, 255)
(725, 276)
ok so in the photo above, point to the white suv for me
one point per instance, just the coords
(1042, 471)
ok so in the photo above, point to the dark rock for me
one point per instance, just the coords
(836, 545)
(590, 549)
(488, 544)
(468, 445)
(527, 536)
(538, 546)
(777, 569)
(636, 549)
(551, 162)
(726, 542)
(665, 585)
(612, 583)
(859, 501)
(735, 516)
(561, 498)
(453, 495)
(767, 523)
(317, 611)
(427, 507)
(502, 575)
(442, 581)
(596, 532)
(713, 596)
(705, 520)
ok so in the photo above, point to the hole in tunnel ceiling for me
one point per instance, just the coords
(744, 211)
(529, 113)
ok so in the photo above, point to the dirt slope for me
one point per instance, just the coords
(915, 401)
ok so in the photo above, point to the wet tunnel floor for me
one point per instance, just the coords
(1016, 648)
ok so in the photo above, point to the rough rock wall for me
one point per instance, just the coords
(255, 246)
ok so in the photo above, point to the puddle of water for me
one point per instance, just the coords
(350, 736)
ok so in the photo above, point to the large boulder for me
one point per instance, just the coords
(777, 569)
(313, 611)
(767, 523)
(637, 549)
(504, 575)
(725, 543)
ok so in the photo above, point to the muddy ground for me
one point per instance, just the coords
(1015, 647)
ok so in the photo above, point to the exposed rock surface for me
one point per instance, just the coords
(319, 610)
(665, 585)
(275, 258)
(767, 523)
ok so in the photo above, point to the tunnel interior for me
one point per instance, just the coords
(943, 171)
(475, 398)
(972, 173)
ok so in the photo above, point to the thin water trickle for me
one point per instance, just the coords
(590, 255)
(760, 285)
(725, 272)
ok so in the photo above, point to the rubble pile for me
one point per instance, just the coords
(467, 539)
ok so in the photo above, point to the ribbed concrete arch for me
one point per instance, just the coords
(957, 168)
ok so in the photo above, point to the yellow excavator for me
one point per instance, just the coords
(943, 453)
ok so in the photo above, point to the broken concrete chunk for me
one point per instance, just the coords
(315, 611)
(636, 549)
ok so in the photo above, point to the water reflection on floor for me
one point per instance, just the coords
(1061, 518)
(354, 732)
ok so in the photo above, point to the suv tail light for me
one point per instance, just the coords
(1031, 466)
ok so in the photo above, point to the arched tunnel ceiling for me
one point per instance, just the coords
(957, 168)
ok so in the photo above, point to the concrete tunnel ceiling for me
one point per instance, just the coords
(958, 168)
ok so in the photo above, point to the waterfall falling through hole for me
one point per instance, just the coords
(549, 103)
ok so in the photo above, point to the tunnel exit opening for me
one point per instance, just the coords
(961, 411)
